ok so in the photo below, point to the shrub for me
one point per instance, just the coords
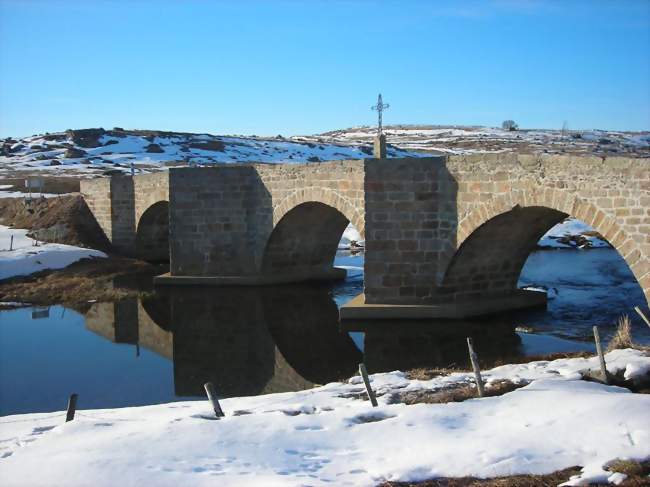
(623, 336)
(509, 125)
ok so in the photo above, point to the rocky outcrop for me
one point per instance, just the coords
(154, 149)
(87, 138)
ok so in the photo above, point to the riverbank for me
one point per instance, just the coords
(106, 279)
(331, 435)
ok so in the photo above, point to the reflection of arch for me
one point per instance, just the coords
(495, 238)
(152, 235)
(304, 324)
(157, 306)
(304, 239)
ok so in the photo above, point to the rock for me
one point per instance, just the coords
(111, 142)
(213, 145)
(74, 153)
(55, 163)
(313, 159)
(87, 138)
(154, 148)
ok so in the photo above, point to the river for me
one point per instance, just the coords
(258, 340)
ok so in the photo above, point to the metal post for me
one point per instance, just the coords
(601, 356)
(72, 407)
(366, 381)
(212, 396)
(477, 371)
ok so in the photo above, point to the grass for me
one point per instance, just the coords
(631, 468)
(623, 336)
(637, 472)
(454, 393)
(430, 373)
(550, 480)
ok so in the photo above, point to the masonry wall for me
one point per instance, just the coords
(118, 203)
(97, 195)
(221, 218)
(481, 244)
(610, 194)
(410, 215)
(427, 222)
(212, 220)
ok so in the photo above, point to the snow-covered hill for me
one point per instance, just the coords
(88, 151)
(464, 139)
(98, 151)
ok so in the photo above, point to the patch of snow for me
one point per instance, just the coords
(27, 259)
(351, 234)
(324, 436)
(567, 228)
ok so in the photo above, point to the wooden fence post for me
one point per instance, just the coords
(72, 407)
(642, 315)
(601, 356)
(212, 396)
(366, 381)
(477, 371)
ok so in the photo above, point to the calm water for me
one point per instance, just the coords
(252, 341)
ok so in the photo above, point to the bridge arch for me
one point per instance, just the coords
(152, 233)
(307, 227)
(495, 238)
(327, 196)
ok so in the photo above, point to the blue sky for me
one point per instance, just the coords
(298, 67)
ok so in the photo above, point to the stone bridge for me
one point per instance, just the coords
(444, 235)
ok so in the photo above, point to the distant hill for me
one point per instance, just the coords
(464, 139)
(98, 151)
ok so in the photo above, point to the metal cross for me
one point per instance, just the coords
(379, 107)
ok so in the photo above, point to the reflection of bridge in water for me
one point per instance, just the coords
(251, 341)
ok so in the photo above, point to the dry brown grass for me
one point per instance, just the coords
(429, 373)
(623, 336)
(424, 373)
(637, 472)
(85, 280)
(550, 480)
(631, 468)
(453, 393)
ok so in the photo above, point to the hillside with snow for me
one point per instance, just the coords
(465, 139)
(102, 152)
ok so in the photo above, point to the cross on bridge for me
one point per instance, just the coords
(379, 107)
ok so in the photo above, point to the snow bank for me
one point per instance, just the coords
(324, 436)
(26, 259)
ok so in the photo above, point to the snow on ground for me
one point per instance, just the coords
(351, 234)
(27, 259)
(559, 236)
(325, 436)
(18, 194)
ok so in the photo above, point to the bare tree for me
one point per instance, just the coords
(509, 125)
